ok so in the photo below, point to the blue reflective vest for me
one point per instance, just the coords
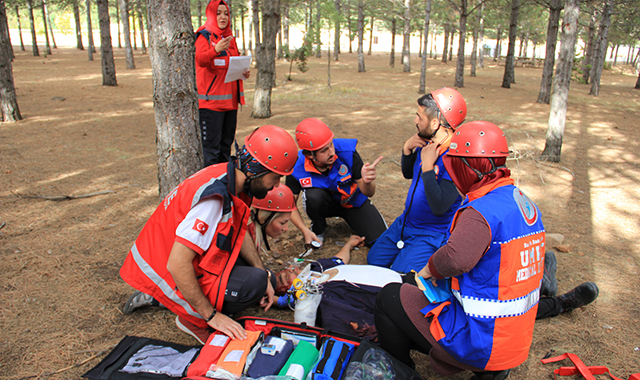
(416, 206)
(339, 180)
(488, 321)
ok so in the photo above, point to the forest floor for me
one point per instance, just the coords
(61, 296)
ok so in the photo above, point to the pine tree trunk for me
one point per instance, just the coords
(141, 26)
(172, 55)
(317, 31)
(53, 38)
(361, 68)
(615, 55)
(370, 36)
(132, 15)
(406, 36)
(509, 66)
(350, 30)
(459, 79)
(124, 11)
(6, 47)
(423, 67)
(76, 17)
(266, 60)
(287, 21)
(496, 53)
(392, 54)
(451, 37)
(474, 52)
(19, 29)
(10, 111)
(256, 25)
(251, 22)
(601, 48)
(550, 55)
(199, 6)
(336, 37)
(34, 41)
(561, 83)
(106, 50)
(481, 38)
(92, 46)
(280, 45)
(118, 24)
(329, 62)
(588, 56)
(638, 81)
(447, 29)
(244, 45)
(46, 31)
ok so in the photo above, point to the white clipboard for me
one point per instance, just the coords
(237, 67)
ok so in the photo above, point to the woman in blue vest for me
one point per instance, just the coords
(494, 259)
(334, 181)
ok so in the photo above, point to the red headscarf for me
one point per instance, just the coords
(212, 20)
(466, 180)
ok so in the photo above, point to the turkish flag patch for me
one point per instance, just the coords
(200, 226)
(305, 182)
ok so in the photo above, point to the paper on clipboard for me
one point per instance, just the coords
(237, 67)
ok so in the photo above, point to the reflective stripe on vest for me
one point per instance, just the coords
(197, 197)
(216, 97)
(161, 283)
(488, 308)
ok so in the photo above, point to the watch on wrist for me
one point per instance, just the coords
(211, 316)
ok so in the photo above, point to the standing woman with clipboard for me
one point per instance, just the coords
(218, 101)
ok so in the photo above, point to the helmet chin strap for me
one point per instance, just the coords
(263, 226)
(481, 175)
(433, 134)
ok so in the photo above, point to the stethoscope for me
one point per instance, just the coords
(400, 243)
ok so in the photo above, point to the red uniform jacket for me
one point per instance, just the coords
(145, 267)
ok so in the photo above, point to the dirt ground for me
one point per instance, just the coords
(60, 293)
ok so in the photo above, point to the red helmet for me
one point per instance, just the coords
(279, 199)
(274, 148)
(478, 139)
(452, 105)
(313, 134)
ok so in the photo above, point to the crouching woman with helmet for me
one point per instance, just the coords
(270, 216)
(495, 260)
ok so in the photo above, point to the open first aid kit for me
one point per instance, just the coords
(273, 350)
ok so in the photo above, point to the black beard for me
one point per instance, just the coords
(257, 189)
(424, 136)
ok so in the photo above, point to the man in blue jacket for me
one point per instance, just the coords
(432, 199)
(333, 181)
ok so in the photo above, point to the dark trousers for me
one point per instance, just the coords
(218, 130)
(365, 220)
(548, 307)
(396, 332)
(246, 286)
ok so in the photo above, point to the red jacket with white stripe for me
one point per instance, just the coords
(145, 267)
(211, 69)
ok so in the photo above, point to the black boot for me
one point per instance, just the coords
(581, 295)
(491, 375)
(549, 285)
